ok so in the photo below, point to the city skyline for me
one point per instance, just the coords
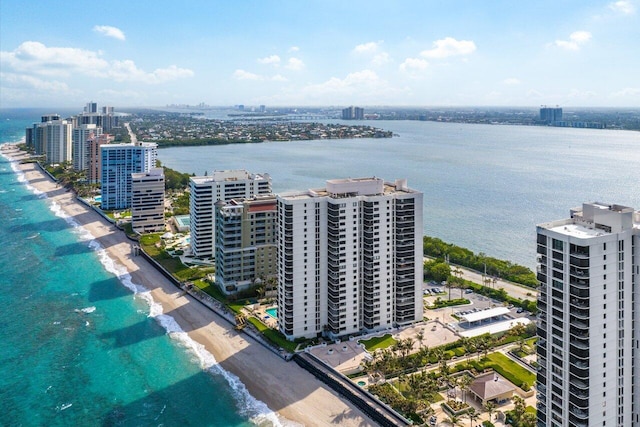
(320, 53)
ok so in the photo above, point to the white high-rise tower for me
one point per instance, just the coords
(349, 258)
(588, 269)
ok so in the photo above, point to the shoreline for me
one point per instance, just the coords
(286, 389)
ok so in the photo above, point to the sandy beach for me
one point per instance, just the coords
(285, 387)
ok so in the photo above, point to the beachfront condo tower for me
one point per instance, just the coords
(118, 162)
(147, 201)
(349, 258)
(80, 145)
(245, 242)
(205, 191)
(588, 309)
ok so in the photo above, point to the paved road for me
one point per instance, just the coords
(513, 289)
(134, 138)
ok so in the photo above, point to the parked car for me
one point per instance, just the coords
(468, 291)
(520, 310)
(427, 292)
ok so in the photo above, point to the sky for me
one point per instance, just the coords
(579, 53)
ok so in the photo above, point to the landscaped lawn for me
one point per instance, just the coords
(272, 335)
(506, 367)
(375, 343)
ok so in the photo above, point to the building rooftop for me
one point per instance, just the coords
(353, 187)
(485, 314)
(577, 230)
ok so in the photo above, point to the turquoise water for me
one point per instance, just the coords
(83, 345)
(273, 312)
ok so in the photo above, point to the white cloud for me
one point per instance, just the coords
(295, 64)
(581, 94)
(511, 81)
(576, 39)
(246, 75)
(293, 49)
(31, 82)
(273, 59)
(36, 58)
(628, 92)
(109, 31)
(366, 48)
(380, 59)
(623, 6)
(414, 65)
(372, 50)
(449, 47)
(348, 85)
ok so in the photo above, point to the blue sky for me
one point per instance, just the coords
(315, 53)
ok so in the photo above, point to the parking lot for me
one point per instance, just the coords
(477, 302)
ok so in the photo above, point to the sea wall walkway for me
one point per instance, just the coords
(365, 401)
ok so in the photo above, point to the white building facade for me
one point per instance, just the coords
(205, 191)
(588, 270)
(349, 258)
(118, 162)
(147, 201)
(57, 141)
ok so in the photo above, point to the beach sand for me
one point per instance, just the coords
(286, 388)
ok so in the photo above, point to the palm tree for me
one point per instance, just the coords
(464, 382)
(471, 414)
(420, 336)
(519, 408)
(529, 419)
(490, 407)
(452, 420)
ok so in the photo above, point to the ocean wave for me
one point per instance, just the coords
(87, 310)
(257, 411)
(248, 406)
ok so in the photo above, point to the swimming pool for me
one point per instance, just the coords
(273, 312)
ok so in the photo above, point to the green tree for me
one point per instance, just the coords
(440, 271)
(490, 407)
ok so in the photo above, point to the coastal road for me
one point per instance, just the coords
(513, 289)
(134, 138)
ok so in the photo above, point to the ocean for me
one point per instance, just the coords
(83, 345)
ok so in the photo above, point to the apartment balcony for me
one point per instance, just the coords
(574, 321)
(541, 249)
(579, 332)
(579, 292)
(579, 251)
(579, 283)
(579, 302)
(579, 352)
(582, 344)
(579, 272)
(580, 313)
(578, 262)
(580, 413)
(582, 373)
(581, 393)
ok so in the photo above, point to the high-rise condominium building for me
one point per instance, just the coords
(147, 201)
(550, 115)
(349, 258)
(57, 141)
(80, 145)
(119, 161)
(205, 191)
(245, 242)
(94, 156)
(353, 113)
(588, 269)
